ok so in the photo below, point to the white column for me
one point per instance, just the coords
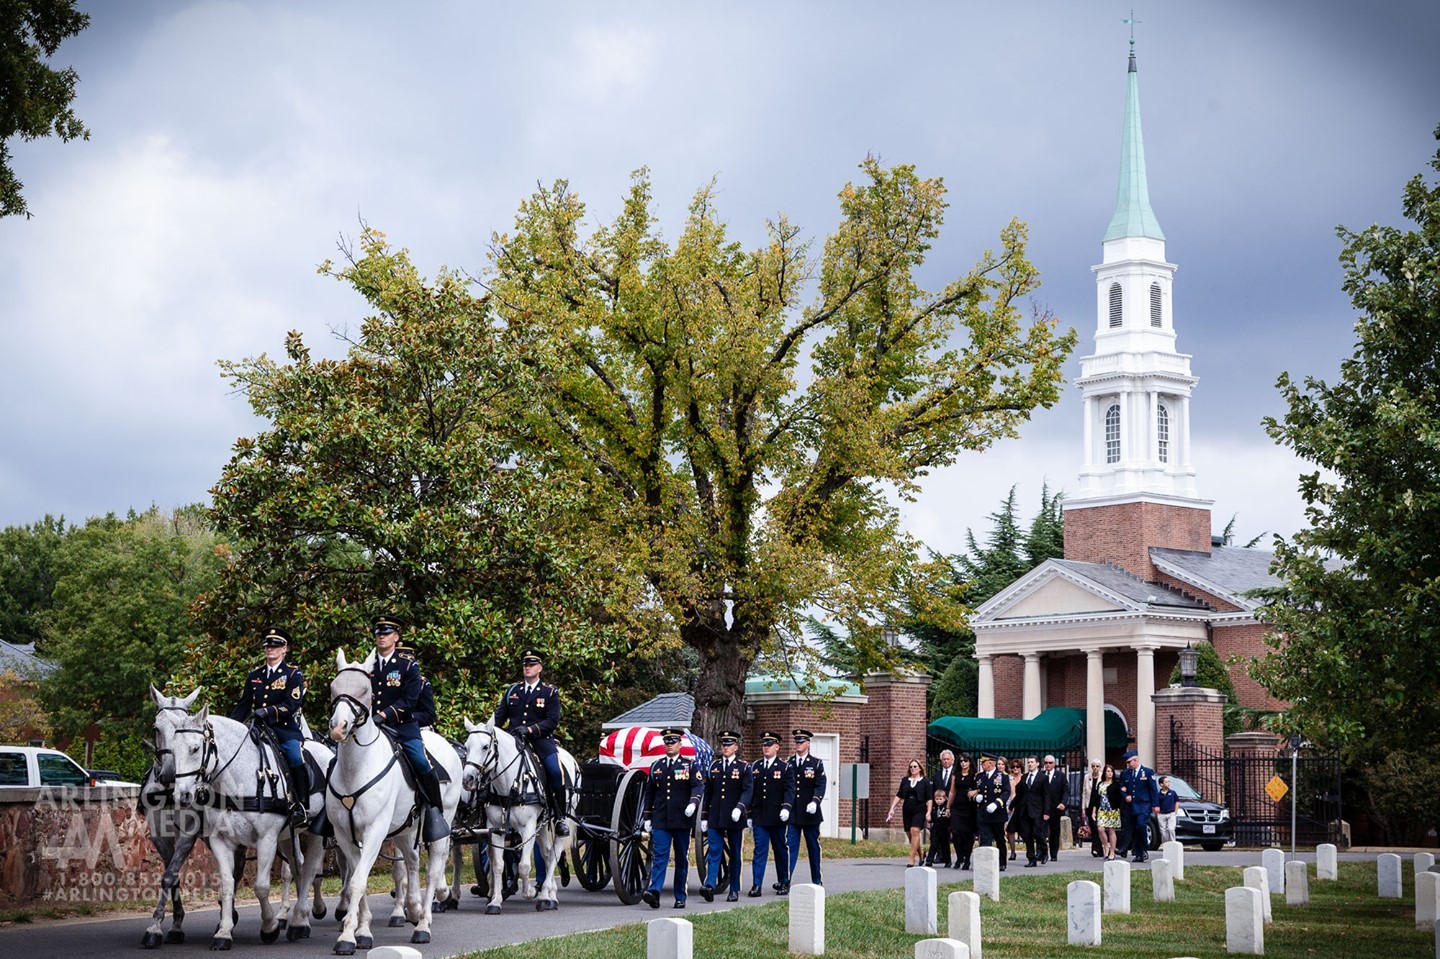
(1032, 686)
(1094, 705)
(1089, 460)
(1145, 704)
(985, 701)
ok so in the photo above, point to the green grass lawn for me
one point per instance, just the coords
(1343, 921)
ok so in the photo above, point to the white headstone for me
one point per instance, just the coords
(1274, 862)
(1437, 939)
(965, 920)
(922, 913)
(1327, 861)
(986, 861)
(1245, 920)
(941, 949)
(1389, 878)
(807, 919)
(1083, 906)
(1423, 862)
(395, 952)
(669, 939)
(1427, 899)
(1257, 878)
(1162, 881)
(1117, 886)
(1174, 850)
(1297, 883)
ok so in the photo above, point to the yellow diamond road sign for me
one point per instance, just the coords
(1276, 788)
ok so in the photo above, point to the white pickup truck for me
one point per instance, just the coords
(30, 767)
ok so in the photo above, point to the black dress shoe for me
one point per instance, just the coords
(1044, 860)
(708, 892)
(754, 892)
(1002, 865)
(1031, 864)
(651, 898)
(776, 886)
(966, 865)
(784, 889)
(679, 903)
(732, 896)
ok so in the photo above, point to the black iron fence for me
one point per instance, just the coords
(1241, 782)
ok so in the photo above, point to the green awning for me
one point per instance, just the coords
(1056, 730)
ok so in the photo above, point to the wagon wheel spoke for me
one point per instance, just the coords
(630, 849)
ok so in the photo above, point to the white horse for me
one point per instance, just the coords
(368, 801)
(220, 769)
(493, 772)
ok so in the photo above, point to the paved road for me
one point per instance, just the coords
(470, 929)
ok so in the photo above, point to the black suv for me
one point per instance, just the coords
(1197, 821)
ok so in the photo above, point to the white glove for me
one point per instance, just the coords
(704, 825)
(647, 826)
(735, 814)
(749, 824)
(990, 807)
(784, 815)
(689, 810)
(810, 808)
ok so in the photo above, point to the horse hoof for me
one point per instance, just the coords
(151, 940)
(284, 923)
(340, 915)
(420, 938)
(269, 937)
(295, 933)
(396, 922)
(451, 903)
(364, 942)
(175, 935)
(319, 911)
(343, 948)
(219, 945)
(492, 910)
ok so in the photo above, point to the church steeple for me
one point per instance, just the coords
(1133, 216)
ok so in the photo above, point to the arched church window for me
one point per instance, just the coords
(1155, 304)
(1115, 304)
(1162, 432)
(1112, 434)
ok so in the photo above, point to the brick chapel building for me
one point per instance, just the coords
(1142, 577)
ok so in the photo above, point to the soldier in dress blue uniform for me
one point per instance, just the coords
(991, 795)
(673, 792)
(273, 696)
(809, 792)
(530, 710)
(395, 685)
(728, 791)
(1142, 796)
(425, 702)
(774, 786)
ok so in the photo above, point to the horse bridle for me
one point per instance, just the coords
(491, 770)
(209, 752)
(361, 710)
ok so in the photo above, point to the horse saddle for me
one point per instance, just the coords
(406, 767)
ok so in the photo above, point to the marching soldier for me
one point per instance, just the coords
(273, 696)
(395, 685)
(809, 792)
(774, 785)
(728, 792)
(530, 710)
(672, 795)
(990, 794)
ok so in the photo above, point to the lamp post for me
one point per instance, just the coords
(1189, 660)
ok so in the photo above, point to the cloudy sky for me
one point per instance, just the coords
(233, 144)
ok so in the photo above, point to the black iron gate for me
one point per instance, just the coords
(1240, 782)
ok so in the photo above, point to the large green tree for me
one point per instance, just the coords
(1356, 643)
(739, 419)
(27, 577)
(389, 480)
(35, 98)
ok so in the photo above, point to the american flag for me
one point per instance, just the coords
(636, 747)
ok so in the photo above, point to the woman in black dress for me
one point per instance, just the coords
(916, 793)
(962, 810)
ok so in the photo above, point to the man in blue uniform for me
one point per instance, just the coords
(273, 697)
(809, 793)
(672, 795)
(1137, 783)
(991, 795)
(728, 791)
(424, 714)
(774, 785)
(395, 685)
(530, 710)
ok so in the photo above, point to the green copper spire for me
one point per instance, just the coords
(1133, 216)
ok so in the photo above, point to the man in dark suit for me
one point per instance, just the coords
(807, 814)
(728, 791)
(530, 709)
(773, 785)
(1030, 799)
(395, 684)
(673, 791)
(1057, 784)
(940, 816)
(992, 792)
(273, 697)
